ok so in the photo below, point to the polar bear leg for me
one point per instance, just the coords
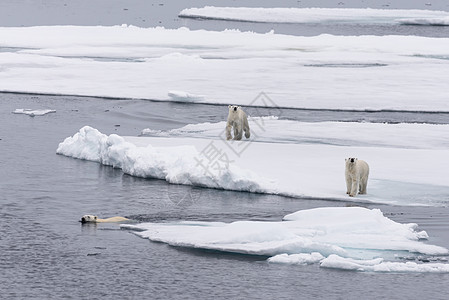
(228, 131)
(363, 184)
(348, 184)
(246, 128)
(237, 133)
(354, 188)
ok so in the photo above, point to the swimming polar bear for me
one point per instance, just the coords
(356, 175)
(95, 219)
(237, 119)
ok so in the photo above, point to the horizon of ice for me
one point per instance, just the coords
(33, 112)
(399, 73)
(350, 238)
(318, 15)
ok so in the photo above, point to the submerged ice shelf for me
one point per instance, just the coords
(319, 15)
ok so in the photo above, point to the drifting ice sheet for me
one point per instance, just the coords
(351, 238)
(33, 112)
(398, 175)
(321, 72)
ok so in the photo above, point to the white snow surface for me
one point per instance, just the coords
(351, 238)
(408, 162)
(315, 15)
(229, 67)
(176, 164)
(379, 265)
(274, 130)
(33, 112)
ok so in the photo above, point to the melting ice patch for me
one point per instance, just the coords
(318, 15)
(350, 238)
(33, 112)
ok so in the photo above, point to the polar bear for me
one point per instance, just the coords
(356, 174)
(237, 119)
(95, 219)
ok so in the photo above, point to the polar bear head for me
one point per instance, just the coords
(233, 108)
(89, 219)
(351, 162)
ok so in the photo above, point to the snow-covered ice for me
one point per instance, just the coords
(184, 96)
(317, 15)
(351, 238)
(272, 129)
(176, 164)
(379, 265)
(33, 112)
(297, 259)
(403, 169)
(229, 67)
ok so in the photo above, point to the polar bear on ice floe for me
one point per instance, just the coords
(356, 174)
(95, 219)
(237, 119)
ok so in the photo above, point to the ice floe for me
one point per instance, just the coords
(379, 265)
(228, 67)
(398, 175)
(350, 238)
(33, 112)
(184, 96)
(178, 165)
(314, 15)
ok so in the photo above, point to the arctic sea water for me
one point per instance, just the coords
(47, 254)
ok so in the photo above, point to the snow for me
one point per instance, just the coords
(228, 67)
(305, 163)
(350, 238)
(272, 129)
(314, 15)
(178, 165)
(297, 259)
(33, 112)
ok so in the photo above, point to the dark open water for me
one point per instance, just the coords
(47, 254)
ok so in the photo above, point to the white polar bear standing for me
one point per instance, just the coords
(237, 119)
(356, 174)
